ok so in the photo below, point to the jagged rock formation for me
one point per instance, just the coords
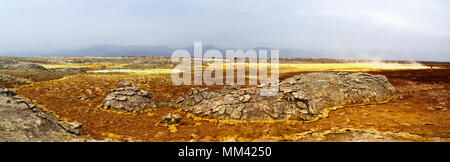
(22, 121)
(128, 98)
(300, 97)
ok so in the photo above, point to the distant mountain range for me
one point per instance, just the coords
(118, 50)
(150, 50)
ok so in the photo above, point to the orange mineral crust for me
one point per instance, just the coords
(418, 113)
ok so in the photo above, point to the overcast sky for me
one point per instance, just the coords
(51, 25)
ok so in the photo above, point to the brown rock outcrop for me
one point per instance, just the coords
(300, 97)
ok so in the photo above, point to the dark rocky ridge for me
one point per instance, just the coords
(22, 121)
(68, 71)
(14, 74)
(6, 79)
(301, 97)
(21, 65)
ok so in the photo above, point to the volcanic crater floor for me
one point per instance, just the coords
(419, 113)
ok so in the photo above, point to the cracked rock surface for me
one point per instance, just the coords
(128, 98)
(22, 121)
(301, 97)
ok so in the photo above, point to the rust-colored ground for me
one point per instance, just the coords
(414, 116)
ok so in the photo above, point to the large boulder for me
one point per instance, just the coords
(301, 97)
(128, 98)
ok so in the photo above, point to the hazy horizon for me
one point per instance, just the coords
(417, 28)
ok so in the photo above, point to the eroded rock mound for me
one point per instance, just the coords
(300, 97)
(128, 98)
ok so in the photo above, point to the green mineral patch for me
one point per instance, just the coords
(86, 66)
(54, 66)
(137, 71)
